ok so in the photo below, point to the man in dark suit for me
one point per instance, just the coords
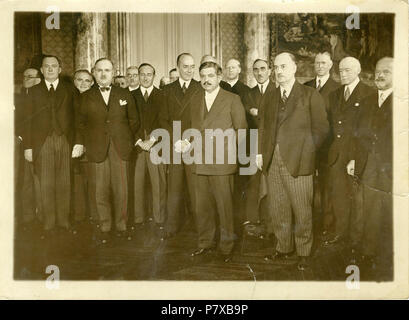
(252, 103)
(371, 160)
(325, 85)
(83, 184)
(294, 126)
(215, 109)
(26, 181)
(345, 105)
(48, 143)
(132, 78)
(232, 83)
(106, 125)
(175, 108)
(149, 101)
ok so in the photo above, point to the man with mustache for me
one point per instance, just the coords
(345, 104)
(106, 124)
(371, 160)
(215, 109)
(293, 127)
(132, 78)
(175, 108)
(50, 133)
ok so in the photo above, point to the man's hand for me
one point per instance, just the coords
(254, 112)
(182, 146)
(351, 167)
(259, 161)
(28, 155)
(147, 144)
(77, 151)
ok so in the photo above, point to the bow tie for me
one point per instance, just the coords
(104, 88)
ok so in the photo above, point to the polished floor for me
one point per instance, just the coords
(81, 256)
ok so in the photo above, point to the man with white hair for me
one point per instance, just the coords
(293, 127)
(345, 104)
(232, 83)
(371, 161)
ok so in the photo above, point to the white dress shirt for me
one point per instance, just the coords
(232, 82)
(54, 83)
(382, 95)
(143, 90)
(181, 81)
(351, 86)
(287, 88)
(210, 97)
(265, 85)
(323, 79)
(105, 94)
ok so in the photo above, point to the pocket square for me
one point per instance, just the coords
(123, 102)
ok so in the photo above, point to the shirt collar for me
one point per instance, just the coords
(386, 93)
(352, 85)
(54, 83)
(133, 89)
(232, 82)
(323, 79)
(265, 84)
(213, 94)
(287, 88)
(146, 89)
(181, 82)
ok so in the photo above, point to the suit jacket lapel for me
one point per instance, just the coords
(217, 106)
(112, 98)
(188, 96)
(292, 100)
(269, 107)
(99, 98)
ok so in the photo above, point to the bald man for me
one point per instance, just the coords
(345, 103)
(293, 126)
(232, 82)
(208, 58)
(371, 161)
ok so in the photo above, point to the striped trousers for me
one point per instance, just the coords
(288, 196)
(53, 167)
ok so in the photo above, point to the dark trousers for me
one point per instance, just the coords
(288, 196)
(252, 198)
(181, 192)
(344, 197)
(214, 197)
(111, 175)
(376, 223)
(31, 193)
(157, 176)
(53, 167)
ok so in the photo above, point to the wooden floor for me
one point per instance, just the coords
(146, 257)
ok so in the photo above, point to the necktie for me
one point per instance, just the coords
(104, 89)
(319, 85)
(284, 97)
(381, 99)
(145, 96)
(51, 89)
(184, 88)
(261, 89)
(347, 94)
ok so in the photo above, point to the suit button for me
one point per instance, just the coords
(339, 122)
(338, 136)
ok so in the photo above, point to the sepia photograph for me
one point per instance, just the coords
(219, 145)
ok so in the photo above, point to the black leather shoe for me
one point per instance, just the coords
(201, 251)
(303, 263)
(277, 256)
(226, 258)
(332, 241)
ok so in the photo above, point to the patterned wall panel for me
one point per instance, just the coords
(232, 33)
(59, 42)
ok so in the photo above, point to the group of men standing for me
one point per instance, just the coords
(338, 135)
